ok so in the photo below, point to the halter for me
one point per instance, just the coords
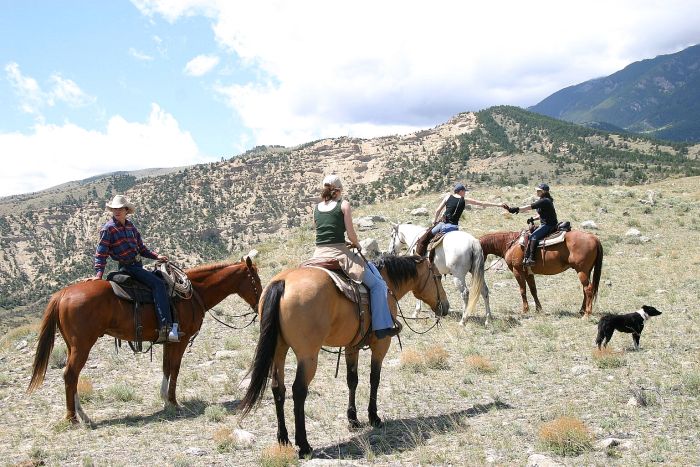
(436, 277)
(255, 288)
(394, 234)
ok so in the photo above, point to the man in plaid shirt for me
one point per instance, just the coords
(121, 241)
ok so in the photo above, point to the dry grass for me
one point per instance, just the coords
(605, 357)
(480, 364)
(566, 436)
(545, 365)
(86, 391)
(279, 456)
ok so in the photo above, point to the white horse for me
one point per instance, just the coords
(457, 254)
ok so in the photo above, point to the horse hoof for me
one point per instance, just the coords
(305, 451)
(462, 323)
(376, 422)
(354, 425)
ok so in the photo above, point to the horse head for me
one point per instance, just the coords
(431, 291)
(394, 239)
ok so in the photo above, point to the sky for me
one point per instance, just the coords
(90, 87)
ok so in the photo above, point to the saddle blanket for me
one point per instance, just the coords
(557, 237)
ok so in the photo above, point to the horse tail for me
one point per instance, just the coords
(598, 268)
(267, 344)
(44, 346)
(477, 282)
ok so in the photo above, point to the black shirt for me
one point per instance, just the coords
(453, 209)
(545, 208)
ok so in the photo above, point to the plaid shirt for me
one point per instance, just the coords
(120, 242)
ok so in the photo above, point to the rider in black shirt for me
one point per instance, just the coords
(547, 216)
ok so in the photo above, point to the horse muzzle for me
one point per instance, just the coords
(443, 308)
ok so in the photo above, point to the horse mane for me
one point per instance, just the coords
(400, 269)
(497, 241)
(212, 266)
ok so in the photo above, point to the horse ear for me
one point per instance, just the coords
(393, 225)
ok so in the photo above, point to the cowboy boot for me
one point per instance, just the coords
(529, 259)
(389, 332)
(162, 335)
(423, 241)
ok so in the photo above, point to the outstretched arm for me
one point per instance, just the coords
(482, 203)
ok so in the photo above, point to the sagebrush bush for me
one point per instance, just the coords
(86, 392)
(608, 358)
(59, 357)
(215, 413)
(480, 364)
(279, 456)
(566, 436)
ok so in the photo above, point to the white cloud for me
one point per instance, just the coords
(138, 55)
(365, 66)
(33, 98)
(54, 154)
(201, 65)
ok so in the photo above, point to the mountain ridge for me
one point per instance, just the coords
(658, 97)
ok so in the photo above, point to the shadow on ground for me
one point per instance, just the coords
(403, 434)
(191, 408)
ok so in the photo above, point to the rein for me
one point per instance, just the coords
(254, 311)
(439, 302)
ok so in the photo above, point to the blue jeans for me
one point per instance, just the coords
(160, 295)
(381, 316)
(444, 227)
(541, 232)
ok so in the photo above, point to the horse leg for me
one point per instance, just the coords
(416, 311)
(306, 369)
(519, 276)
(77, 357)
(279, 390)
(379, 350)
(485, 296)
(351, 358)
(587, 305)
(530, 278)
(173, 352)
(461, 285)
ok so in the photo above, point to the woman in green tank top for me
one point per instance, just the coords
(333, 220)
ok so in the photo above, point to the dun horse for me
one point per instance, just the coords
(302, 309)
(85, 311)
(458, 254)
(581, 251)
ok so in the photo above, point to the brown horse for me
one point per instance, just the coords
(303, 309)
(581, 251)
(85, 311)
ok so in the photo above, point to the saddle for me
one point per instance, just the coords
(128, 288)
(557, 236)
(354, 291)
(434, 243)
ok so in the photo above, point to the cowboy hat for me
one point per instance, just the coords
(120, 201)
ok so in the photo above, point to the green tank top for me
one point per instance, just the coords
(330, 225)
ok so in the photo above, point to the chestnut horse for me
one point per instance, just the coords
(303, 309)
(581, 251)
(85, 311)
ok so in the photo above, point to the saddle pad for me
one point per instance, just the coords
(437, 240)
(343, 284)
(138, 294)
(556, 237)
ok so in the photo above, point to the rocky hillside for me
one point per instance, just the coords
(210, 211)
(657, 97)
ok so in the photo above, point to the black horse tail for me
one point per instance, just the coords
(265, 350)
(598, 268)
(47, 335)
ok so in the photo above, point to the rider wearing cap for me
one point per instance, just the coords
(547, 216)
(453, 205)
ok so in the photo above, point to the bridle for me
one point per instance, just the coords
(249, 273)
(395, 234)
(436, 277)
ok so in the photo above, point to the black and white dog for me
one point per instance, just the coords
(630, 322)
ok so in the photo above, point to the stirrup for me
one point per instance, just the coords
(174, 335)
(162, 335)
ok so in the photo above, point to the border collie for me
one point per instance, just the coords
(630, 322)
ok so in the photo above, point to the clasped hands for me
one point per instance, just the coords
(514, 210)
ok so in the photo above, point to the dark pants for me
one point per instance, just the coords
(535, 237)
(160, 295)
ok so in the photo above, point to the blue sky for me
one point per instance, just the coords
(89, 87)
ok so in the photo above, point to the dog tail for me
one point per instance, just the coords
(602, 324)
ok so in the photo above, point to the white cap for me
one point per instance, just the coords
(333, 180)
